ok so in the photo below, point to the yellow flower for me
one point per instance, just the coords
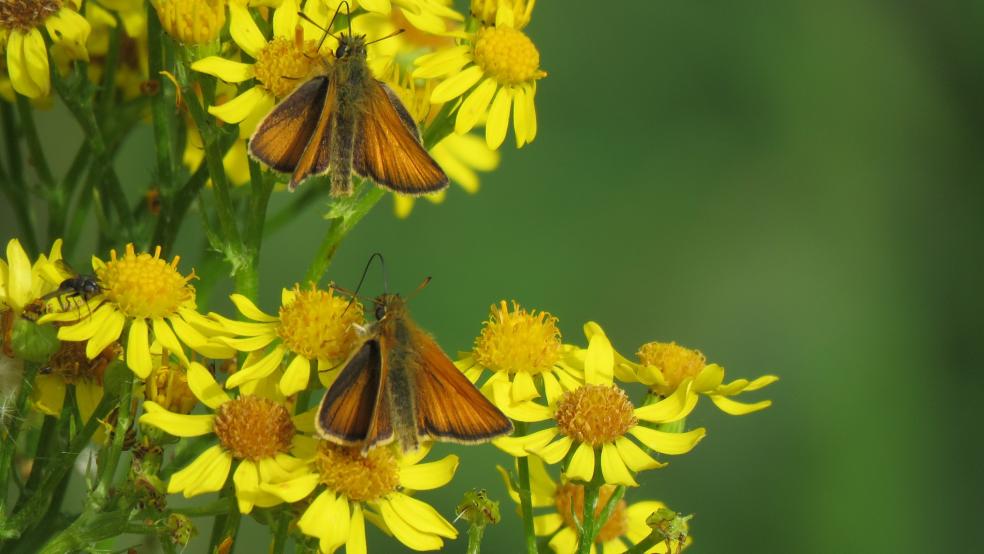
(255, 430)
(523, 351)
(374, 488)
(70, 366)
(235, 162)
(664, 366)
(282, 63)
(27, 54)
(312, 326)
(494, 72)
(132, 72)
(168, 387)
(427, 15)
(626, 523)
(23, 283)
(191, 21)
(147, 296)
(485, 11)
(597, 418)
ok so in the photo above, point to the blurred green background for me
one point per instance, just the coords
(791, 187)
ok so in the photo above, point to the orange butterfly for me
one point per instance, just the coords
(400, 386)
(347, 120)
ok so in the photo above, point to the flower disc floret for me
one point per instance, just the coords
(507, 55)
(26, 14)
(253, 428)
(675, 362)
(144, 285)
(359, 478)
(595, 414)
(569, 500)
(192, 21)
(518, 341)
(283, 63)
(320, 325)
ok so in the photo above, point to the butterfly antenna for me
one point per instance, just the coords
(348, 16)
(391, 35)
(365, 272)
(327, 34)
(423, 284)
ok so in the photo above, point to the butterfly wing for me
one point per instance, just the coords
(449, 407)
(283, 135)
(387, 146)
(345, 415)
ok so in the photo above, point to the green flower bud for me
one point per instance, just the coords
(32, 342)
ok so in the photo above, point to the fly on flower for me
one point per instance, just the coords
(77, 285)
(344, 120)
(400, 386)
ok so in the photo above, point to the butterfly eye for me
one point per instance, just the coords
(342, 50)
(380, 311)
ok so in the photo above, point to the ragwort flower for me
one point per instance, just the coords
(663, 367)
(312, 326)
(191, 21)
(21, 37)
(597, 418)
(255, 429)
(23, 283)
(148, 297)
(627, 523)
(374, 488)
(495, 72)
(522, 350)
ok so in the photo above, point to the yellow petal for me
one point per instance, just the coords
(546, 524)
(167, 338)
(69, 31)
(249, 309)
(315, 518)
(108, 332)
(227, 70)
(542, 486)
(435, 64)
(207, 473)
(87, 327)
(356, 543)
(423, 477)
(709, 378)
(204, 386)
(523, 388)
(613, 468)
(634, 457)
(244, 30)
(48, 395)
(293, 490)
(474, 107)
(258, 370)
(498, 121)
(88, 395)
(19, 276)
(599, 361)
(521, 123)
(247, 481)
(668, 443)
(582, 464)
(285, 19)
(138, 348)
(761, 382)
(733, 407)
(179, 425)
(27, 63)
(249, 344)
(456, 85)
(415, 523)
(243, 106)
(295, 379)
(554, 452)
(564, 541)
(672, 408)
(518, 446)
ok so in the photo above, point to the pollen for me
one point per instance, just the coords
(570, 496)
(26, 14)
(674, 361)
(145, 286)
(361, 478)
(319, 325)
(285, 63)
(168, 387)
(191, 21)
(595, 414)
(71, 364)
(253, 428)
(507, 55)
(518, 340)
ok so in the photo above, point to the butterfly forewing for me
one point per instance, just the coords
(282, 137)
(449, 407)
(346, 412)
(387, 146)
(317, 154)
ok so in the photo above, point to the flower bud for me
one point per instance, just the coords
(32, 342)
(191, 21)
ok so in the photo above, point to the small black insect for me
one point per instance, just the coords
(85, 287)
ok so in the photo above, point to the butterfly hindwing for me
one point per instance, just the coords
(346, 412)
(387, 146)
(448, 405)
(283, 135)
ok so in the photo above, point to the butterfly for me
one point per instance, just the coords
(346, 120)
(400, 386)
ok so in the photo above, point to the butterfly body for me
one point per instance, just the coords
(400, 386)
(343, 121)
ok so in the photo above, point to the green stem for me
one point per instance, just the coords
(14, 190)
(475, 534)
(526, 495)
(222, 506)
(261, 186)
(34, 148)
(280, 534)
(646, 544)
(589, 525)
(340, 227)
(226, 525)
(9, 444)
(112, 61)
(124, 417)
(37, 505)
(160, 113)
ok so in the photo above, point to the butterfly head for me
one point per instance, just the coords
(351, 46)
(388, 305)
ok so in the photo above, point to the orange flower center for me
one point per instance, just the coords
(26, 14)
(675, 362)
(595, 414)
(253, 428)
(347, 472)
(570, 496)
